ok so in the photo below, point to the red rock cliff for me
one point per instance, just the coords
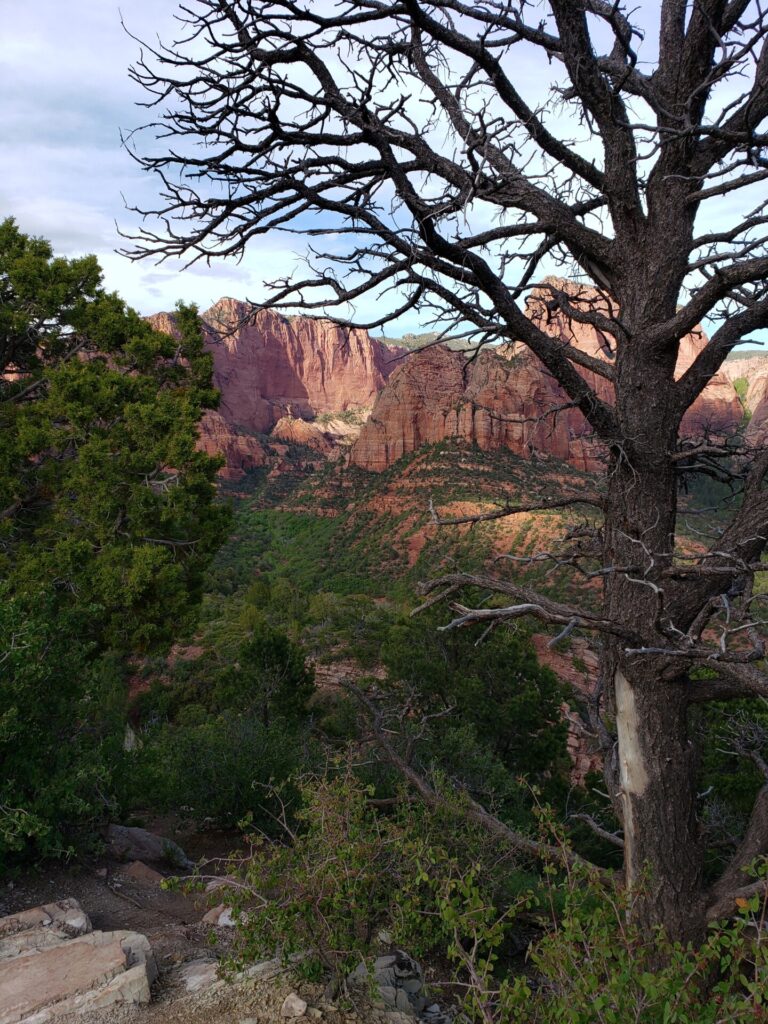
(501, 399)
(270, 367)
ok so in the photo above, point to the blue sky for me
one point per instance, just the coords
(63, 172)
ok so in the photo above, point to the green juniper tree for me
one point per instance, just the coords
(107, 521)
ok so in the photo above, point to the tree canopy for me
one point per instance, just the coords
(107, 521)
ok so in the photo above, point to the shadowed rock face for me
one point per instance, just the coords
(757, 406)
(241, 450)
(506, 398)
(494, 401)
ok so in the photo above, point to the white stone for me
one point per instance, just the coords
(293, 1006)
(200, 974)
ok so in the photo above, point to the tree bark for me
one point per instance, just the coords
(656, 760)
(662, 847)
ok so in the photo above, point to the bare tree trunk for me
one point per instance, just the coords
(656, 761)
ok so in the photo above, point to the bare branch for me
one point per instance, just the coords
(595, 500)
(516, 841)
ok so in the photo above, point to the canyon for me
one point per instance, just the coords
(341, 394)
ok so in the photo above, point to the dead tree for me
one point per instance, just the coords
(445, 151)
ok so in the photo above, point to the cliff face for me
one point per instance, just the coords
(277, 372)
(746, 366)
(757, 406)
(268, 366)
(494, 401)
(506, 398)
(241, 451)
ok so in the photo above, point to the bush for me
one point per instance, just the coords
(345, 871)
(496, 688)
(218, 769)
(61, 723)
(595, 967)
(348, 870)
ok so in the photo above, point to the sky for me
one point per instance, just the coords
(64, 174)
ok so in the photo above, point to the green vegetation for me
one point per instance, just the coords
(741, 386)
(219, 728)
(108, 524)
(443, 890)
(293, 640)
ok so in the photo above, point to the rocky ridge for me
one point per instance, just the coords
(505, 397)
(310, 382)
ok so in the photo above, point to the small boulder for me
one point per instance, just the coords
(137, 871)
(293, 1006)
(129, 843)
(200, 974)
(219, 917)
(89, 972)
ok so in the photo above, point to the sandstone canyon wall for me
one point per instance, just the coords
(268, 366)
(753, 369)
(505, 397)
(278, 374)
(746, 366)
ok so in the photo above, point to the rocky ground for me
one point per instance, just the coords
(92, 907)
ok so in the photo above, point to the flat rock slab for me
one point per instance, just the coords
(90, 972)
(48, 925)
(29, 983)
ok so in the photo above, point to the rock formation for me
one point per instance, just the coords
(268, 366)
(278, 374)
(274, 369)
(746, 366)
(241, 451)
(757, 406)
(53, 965)
(304, 432)
(506, 398)
(494, 401)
